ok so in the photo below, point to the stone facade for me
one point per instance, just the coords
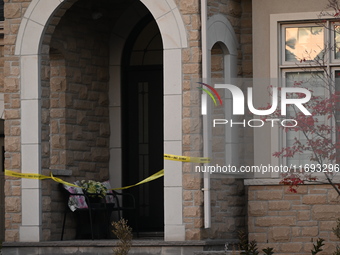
(75, 129)
(276, 218)
(227, 195)
(289, 222)
(74, 125)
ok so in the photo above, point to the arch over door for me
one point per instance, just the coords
(28, 47)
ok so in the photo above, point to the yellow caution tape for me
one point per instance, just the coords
(37, 177)
(56, 179)
(186, 159)
(148, 179)
(26, 176)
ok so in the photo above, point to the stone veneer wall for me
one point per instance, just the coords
(288, 222)
(75, 111)
(192, 125)
(227, 194)
(81, 58)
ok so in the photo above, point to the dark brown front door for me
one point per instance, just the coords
(143, 142)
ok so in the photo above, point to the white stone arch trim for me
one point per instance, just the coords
(220, 30)
(28, 47)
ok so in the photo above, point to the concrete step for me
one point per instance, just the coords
(105, 247)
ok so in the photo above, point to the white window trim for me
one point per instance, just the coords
(275, 44)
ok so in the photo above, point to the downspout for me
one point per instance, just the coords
(206, 129)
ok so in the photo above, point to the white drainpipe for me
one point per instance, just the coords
(206, 129)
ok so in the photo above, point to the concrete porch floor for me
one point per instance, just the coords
(101, 247)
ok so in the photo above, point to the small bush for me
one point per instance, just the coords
(268, 251)
(246, 247)
(124, 234)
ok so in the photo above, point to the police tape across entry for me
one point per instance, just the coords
(148, 179)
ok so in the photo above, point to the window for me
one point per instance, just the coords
(303, 42)
(310, 56)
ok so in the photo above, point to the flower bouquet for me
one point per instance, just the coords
(93, 188)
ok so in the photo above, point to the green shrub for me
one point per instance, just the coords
(317, 246)
(250, 248)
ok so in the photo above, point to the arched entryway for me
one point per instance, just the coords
(33, 40)
(142, 122)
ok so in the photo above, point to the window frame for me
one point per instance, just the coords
(277, 65)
